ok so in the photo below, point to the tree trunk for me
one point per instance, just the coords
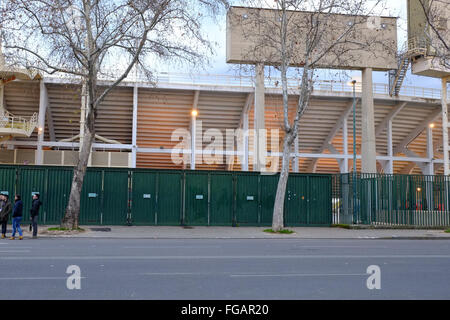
(72, 214)
(278, 209)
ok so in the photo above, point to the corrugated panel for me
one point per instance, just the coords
(296, 202)
(247, 199)
(8, 181)
(268, 192)
(115, 197)
(169, 198)
(196, 199)
(221, 199)
(59, 182)
(33, 180)
(144, 196)
(91, 198)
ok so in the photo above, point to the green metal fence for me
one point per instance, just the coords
(392, 200)
(165, 197)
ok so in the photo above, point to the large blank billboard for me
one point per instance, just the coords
(350, 41)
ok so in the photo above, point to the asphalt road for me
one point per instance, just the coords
(224, 269)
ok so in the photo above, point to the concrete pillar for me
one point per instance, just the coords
(429, 170)
(445, 127)
(2, 98)
(245, 142)
(134, 128)
(390, 162)
(259, 141)
(345, 142)
(43, 101)
(368, 145)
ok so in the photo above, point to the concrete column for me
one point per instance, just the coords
(368, 145)
(245, 142)
(259, 141)
(43, 101)
(134, 129)
(2, 97)
(429, 170)
(390, 163)
(445, 127)
(345, 142)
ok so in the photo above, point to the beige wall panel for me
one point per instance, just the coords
(25, 156)
(7, 156)
(374, 40)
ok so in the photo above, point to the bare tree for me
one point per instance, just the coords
(437, 29)
(285, 39)
(86, 38)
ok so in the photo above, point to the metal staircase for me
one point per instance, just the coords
(396, 77)
(413, 48)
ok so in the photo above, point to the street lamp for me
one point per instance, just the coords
(353, 83)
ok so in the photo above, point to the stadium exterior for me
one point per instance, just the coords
(136, 124)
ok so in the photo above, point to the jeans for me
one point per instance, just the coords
(4, 223)
(34, 221)
(16, 226)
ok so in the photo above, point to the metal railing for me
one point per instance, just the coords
(12, 122)
(242, 81)
(392, 200)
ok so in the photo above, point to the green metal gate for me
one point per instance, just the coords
(8, 181)
(196, 199)
(297, 209)
(169, 201)
(247, 199)
(320, 203)
(143, 199)
(33, 180)
(171, 198)
(221, 199)
(58, 183)
(115, 197)
(91, 198)
(269, 185)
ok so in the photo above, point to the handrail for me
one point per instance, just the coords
(240, 81)
(26, 124)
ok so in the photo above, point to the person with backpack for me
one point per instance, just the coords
(34, 213)
(5, 210)
(17, 218)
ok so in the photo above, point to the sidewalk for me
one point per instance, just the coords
(138, 232)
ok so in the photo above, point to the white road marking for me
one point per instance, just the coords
(36, 278)
(15, 251)
(331, 247)
(255, 275)
(300, 275)
(170, 247)
(227, 257)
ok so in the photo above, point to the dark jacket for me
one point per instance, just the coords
(18, 208)
(6, 210)
(35, 205)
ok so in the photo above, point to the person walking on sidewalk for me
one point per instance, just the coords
(34, 212)
(17, 217)
(5, 210)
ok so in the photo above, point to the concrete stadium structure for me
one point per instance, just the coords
(136, 122)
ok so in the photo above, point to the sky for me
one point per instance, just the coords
(218, 65)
